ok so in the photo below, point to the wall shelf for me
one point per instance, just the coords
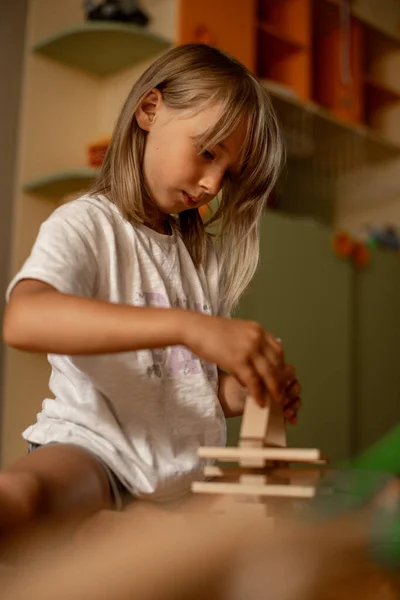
(383, 17)
(378, 95)
(61, 183)
(314, 133)
(102, 48)
(388, 93)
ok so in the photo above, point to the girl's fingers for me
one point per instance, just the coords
(293, 391)
(290, 373)
(251, 380)
(272, 351)
(272, 348)
(271, 376)
(291, 411)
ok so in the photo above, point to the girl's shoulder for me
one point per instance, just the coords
(87, 208)
(89, 216)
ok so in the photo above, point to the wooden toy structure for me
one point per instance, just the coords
(264, 474)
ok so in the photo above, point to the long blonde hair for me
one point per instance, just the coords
(191, 77)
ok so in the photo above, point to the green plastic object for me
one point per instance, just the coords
(385, 539)
(343, 490)
(384, 455)
(355, 484)
(349, 490)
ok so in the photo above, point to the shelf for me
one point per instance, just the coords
(313, 133)
(61, 183)
(284, 44)
(277, 35)
(385, 21)
(383, 94)
(102, 48)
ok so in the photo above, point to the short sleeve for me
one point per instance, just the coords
(64, 253)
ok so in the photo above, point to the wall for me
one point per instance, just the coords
(12, 39)
(340, 328)
(377, 335)
(62, 111)
(302, 294)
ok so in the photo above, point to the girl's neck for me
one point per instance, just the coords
(158, 221)
(162, 227)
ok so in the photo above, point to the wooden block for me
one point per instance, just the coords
(275, 475)
(263, 424)
(253, 430)
(234, 454)
(254, 420)
(241, 489)
(276, 432)
(218, 471)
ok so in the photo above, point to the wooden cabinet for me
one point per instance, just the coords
(284, 44)
(325, 51)
(272, 38)
(229, 26)
(381, 76)
(338, 62)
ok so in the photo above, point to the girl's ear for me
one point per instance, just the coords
(147, 111)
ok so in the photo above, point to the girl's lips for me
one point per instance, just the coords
(190, 200)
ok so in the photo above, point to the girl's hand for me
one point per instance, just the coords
(292, 401)
(242, 348)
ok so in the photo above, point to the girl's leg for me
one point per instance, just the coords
(54, 480)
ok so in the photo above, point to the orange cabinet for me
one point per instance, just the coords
(271, 37)
(338, 62)
(317, 49)
(229, 26)
(284, 44)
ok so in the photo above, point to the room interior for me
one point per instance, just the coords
(337, 96)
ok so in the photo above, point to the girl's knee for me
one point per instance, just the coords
(22, 497)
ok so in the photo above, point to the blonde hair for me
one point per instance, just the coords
(193, 76)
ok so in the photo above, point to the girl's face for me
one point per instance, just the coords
(180, 175)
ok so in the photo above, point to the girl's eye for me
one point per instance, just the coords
(207, 154)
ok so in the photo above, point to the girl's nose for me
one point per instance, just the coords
(211, 182)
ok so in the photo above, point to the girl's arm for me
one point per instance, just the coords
(41, 319)
(231, 395)
(38, 318)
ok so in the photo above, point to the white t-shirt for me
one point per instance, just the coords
(143, 413)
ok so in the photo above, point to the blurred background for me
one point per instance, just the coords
(328, 282)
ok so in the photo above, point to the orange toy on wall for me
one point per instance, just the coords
(97, 152)
(345, 247)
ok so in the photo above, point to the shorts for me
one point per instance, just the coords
(120, 496)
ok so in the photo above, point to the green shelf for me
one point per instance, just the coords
(61, 183)
(102, 48)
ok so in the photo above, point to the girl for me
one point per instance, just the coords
(129, 296)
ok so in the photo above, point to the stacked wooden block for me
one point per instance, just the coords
(263, 474)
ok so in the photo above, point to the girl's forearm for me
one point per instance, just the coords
(51, 322)
(231, 395)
